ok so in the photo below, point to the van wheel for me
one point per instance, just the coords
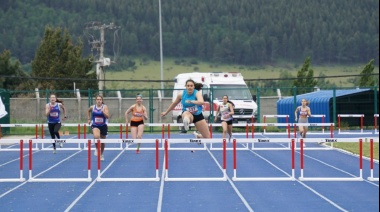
(182, 129)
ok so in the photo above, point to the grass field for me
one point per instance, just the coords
(354, 148)
(151, 70)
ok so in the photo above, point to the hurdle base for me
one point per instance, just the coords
(184, 179)
(7, 180)
(263, 179)
(100, 179)
(59, 180)
(330, 179)
(373, 178)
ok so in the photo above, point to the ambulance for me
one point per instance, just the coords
(215, 86)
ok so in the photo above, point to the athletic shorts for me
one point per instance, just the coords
(136, 123)
(103, 129)
(303, 120)
(198, 117)
(229, 122)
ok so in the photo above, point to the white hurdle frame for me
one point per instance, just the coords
(371, 177)
(270, 124)
(291, 178)
(21, 178)
(167, 178)
(323, 121)
(57, 141)
(20, 125)
(125, 179)
(33, 179)
(375, 117)
(361, 116)
(359, 178)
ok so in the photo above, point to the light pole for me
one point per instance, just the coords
(161, 52)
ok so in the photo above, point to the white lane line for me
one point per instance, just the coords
(161, 193)
(232, 184)
(92, 183)
(303, 184)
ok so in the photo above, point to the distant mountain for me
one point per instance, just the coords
(243, 32)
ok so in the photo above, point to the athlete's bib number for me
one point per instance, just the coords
(99, 120)
(192, 109)
(54, 114)
(226, 115)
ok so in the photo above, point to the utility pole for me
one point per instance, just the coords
(101, 62)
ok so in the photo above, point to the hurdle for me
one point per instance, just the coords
(34, 179)
(316, 140)
(361, 116)
(124, 179)
(245, 147)
(290, 178)
(202, 146)
(20, 125)
(59, 141)
(375, 117)
(274, 116)
(21, 178)
(322, 116)
(371, 177)
(352, 178)
(167, 178)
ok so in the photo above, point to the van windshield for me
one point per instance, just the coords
(234, 92)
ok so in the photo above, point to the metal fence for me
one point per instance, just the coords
(29, 106)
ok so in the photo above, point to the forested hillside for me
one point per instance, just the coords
(243, 32)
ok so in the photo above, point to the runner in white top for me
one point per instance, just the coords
(304, 112)
(226, 109)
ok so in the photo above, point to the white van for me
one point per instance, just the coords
(215, 86)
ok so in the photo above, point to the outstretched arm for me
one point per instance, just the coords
(173, 104)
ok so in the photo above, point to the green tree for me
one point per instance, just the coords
(305, 81)
(366, 78)
(58, 57)
(11, 70)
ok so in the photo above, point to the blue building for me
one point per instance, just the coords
(352, 101)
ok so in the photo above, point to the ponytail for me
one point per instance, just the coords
(233, 105)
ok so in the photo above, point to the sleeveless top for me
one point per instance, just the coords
(303, 111)
(54, 115)
(98, 119)
(192, 108)
(224, 110)
(137, 115)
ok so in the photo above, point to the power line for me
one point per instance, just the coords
(136, 80)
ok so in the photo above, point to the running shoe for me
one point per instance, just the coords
(60, 144)
(54, 151)
(102, 157)
(195, 134)
(137, 151)
(186, 123)
(96, 152)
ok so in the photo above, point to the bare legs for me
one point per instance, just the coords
(137, 133)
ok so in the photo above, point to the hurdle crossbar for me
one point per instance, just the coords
(371, 177)
(20, 125)
(21, 146)
(354, 178)
(270, 124)
(361, 116)
(322, 116)
(127, 179)
(290, 178)
(167, 178)
(34, 179)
